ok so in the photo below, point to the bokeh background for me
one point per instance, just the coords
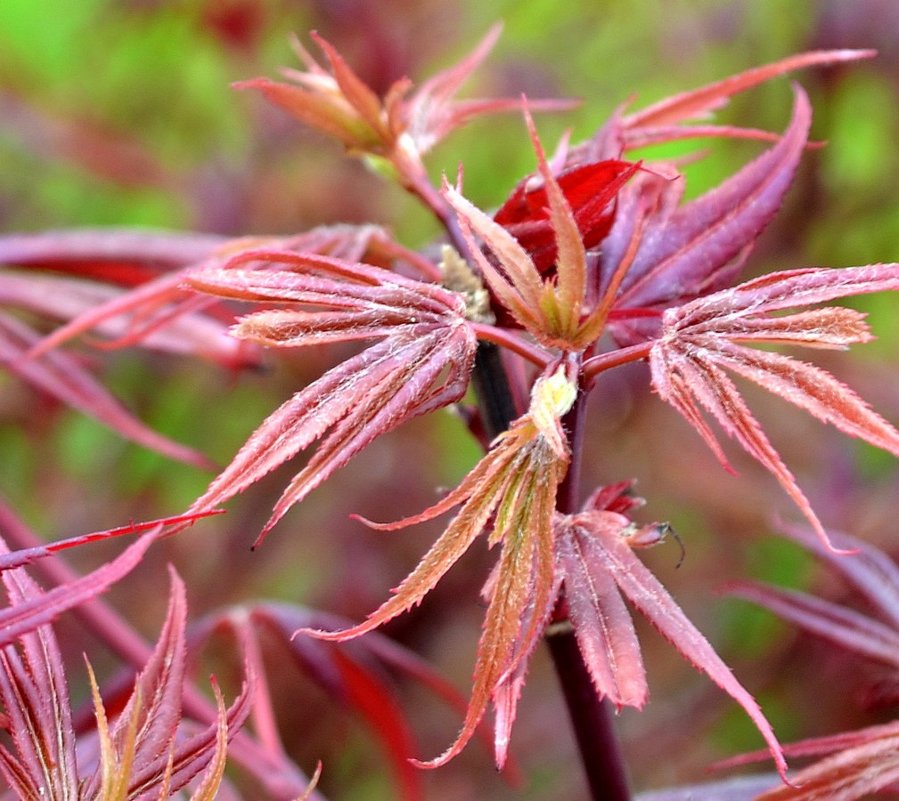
(119, 113)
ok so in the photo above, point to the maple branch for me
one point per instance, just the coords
(591, 719)
(491, 385)
(590, 716)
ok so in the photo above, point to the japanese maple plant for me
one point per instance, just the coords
(512, 318)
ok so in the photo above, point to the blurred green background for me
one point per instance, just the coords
(120, 113)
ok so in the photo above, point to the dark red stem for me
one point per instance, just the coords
(591, 719)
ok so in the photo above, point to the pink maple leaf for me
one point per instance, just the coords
(421, 363)
(702, 339)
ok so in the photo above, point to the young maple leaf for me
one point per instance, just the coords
(398, 127)
(689, 250)
(421, 363)
(511, 493)
(552, 308)
(660, 251)
(598, 566)
(139, 757)
(701, 339)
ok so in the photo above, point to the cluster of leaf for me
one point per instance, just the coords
(144, 754)
(594, 261)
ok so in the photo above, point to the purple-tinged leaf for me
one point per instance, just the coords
(332, 283)
(873, 574)
(61, 376)
(812, 389)
(848, 775)
(865, 760)
(699, 377)
(741, 788)
(422, 364)
(787, 289)
(852, 630)
(647, 136)
(694, 249)
(351, 405)
(816, 746)
(700, 338)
